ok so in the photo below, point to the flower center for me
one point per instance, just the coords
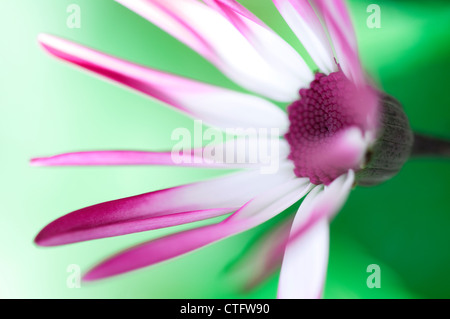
(323, 111)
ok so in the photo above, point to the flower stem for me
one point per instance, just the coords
(427, 146)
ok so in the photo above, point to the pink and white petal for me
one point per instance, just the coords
(305, 261)
(105, 158)
(340, 28)
(216, 106)
(161, 249)
(216, 38)
(221, 5)
(52, 237)
(271, 46)
(348, 149)
(305, 264)
(263, 257)
(262, 208)
(243, 152)
(178, 244)
(332, 157)
(161, 208)
(303, 21)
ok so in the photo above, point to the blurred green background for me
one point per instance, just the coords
(48, 107)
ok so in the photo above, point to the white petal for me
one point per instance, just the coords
(216, 106)
(305, 264)
(305, 261)
(303, 21)
(269, 44)
(340, 28)
(213, 36)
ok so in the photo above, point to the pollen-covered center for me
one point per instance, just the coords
(323, 111)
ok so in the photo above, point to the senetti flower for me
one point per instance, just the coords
(339, 131)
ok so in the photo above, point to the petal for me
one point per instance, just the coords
(168, 207)
(305, 261)
(90, 158)
(271, 46)
(257, 211)
(237, 153)
(348, 149)
(305, 264)
(216, 38)
(217, 106)
(340, 28)
(263, 257)
(326, 159)
(303, 21)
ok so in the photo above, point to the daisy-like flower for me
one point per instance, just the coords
(339, 131)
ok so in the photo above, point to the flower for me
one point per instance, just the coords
(339, 132)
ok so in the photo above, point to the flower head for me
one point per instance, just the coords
(338, 131)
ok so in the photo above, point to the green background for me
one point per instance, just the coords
(48, 107)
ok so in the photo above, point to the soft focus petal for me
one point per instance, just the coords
(340, 28)
(262, 258)
(259, 210)
(305, 265)
(331, 157)
(304, 22)
(271, 46)
(305, 261)
(246, 153)
(158, 209)
(216, 38)
(348, 149)
(217, 106)
(91, 158)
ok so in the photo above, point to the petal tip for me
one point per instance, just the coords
(90, 276)
(41, 239)
(45, 39)
(37, 161)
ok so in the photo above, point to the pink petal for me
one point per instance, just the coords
(271, 46)
(233, 10)
(110, 158)
(340, 28)
(158, 209)
(263, 258)
(216, 106)
(217, 39)
(331, 157)
(303, 21)
(56, 234)
(305, 261)
(216, 156)
(257, 211)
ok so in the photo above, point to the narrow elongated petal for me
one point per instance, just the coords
(90, 158)
(305, 260)
(302, 19)
(216, 38)
(257, 211)
(216, 106)
(340, 28)
(305, 265)
(271, 46)
(241, 154)
(158, 209)
(126, 225)
(263, 257)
